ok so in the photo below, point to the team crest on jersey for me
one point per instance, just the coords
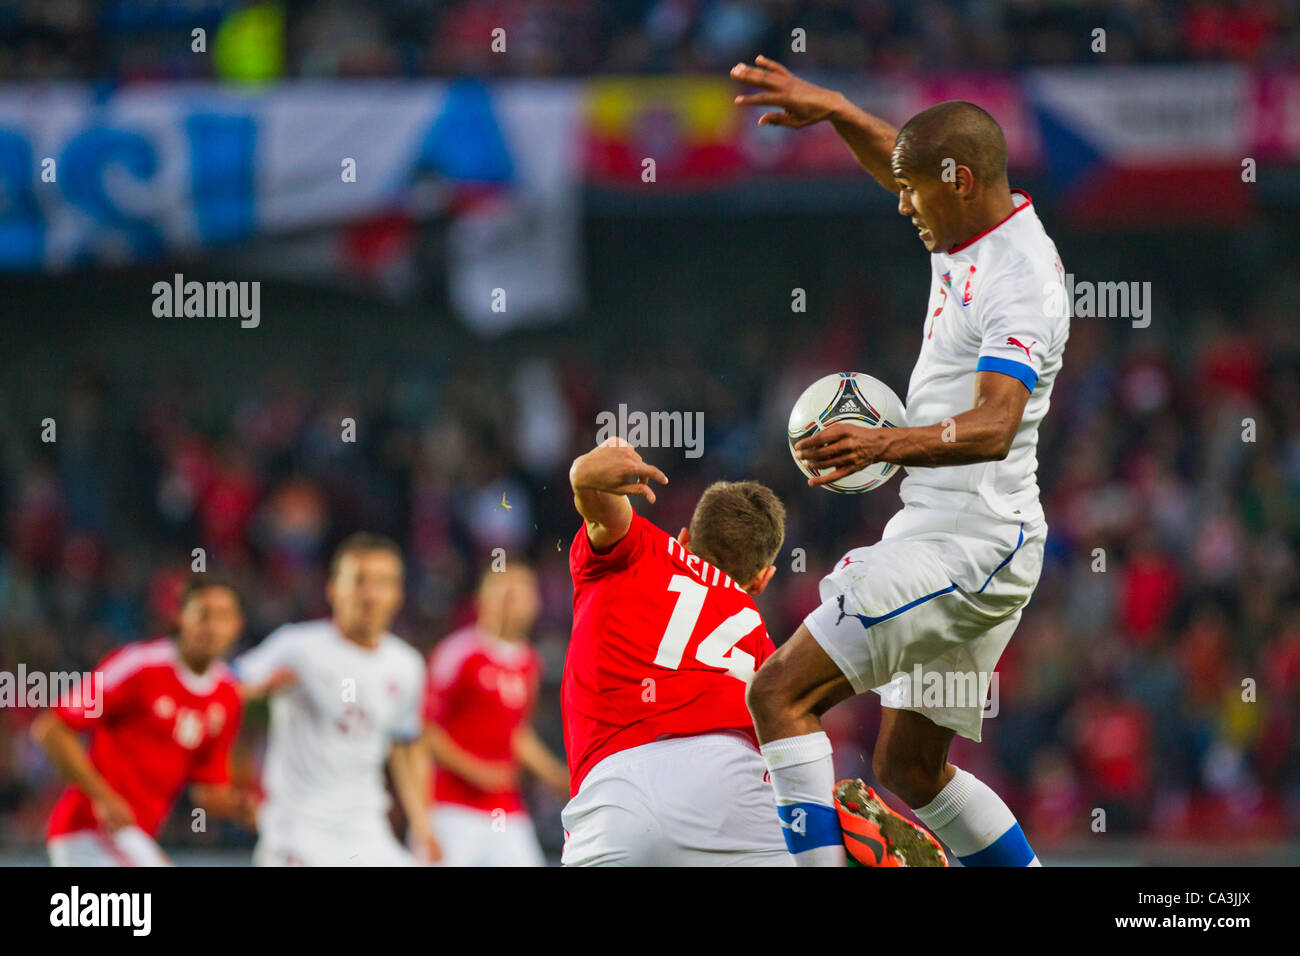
(947, 278)
(509, 686)
(216, 718)
(966, 294)
(513, 689)
(188, 730)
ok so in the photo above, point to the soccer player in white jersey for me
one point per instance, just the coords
(346, 697)
(941, 593)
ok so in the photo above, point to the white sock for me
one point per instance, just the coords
(803, 778)
(976, 825)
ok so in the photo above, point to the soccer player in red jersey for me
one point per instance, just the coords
(165, 715)
(482, 687)
(663, 760)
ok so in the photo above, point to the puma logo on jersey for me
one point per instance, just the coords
(843, 613)
(863, 619)
(848, 561)
(1021, 345)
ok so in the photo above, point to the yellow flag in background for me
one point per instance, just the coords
(249, 45)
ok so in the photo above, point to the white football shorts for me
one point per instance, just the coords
(286, 839)
(684, 801)
(473, 837)
(129, 846)
(923, 616)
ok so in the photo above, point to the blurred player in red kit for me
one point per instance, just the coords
(482, 687)
(166, 715)
(666, 638)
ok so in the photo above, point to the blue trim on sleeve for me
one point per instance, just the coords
(1017, 370)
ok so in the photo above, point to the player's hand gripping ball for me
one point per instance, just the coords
(850, 398)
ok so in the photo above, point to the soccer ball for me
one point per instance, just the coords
(854, 398)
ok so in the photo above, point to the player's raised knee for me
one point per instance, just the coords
(768, 696)
(797, 683)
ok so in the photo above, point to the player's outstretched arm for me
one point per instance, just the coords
(488, 775)
(534, 756)
(601, 480)
(801, 104)
(69, 756)
(269, 667)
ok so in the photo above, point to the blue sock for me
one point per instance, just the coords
(976, 825)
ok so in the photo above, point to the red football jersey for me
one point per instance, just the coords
(481, 690)
(160, 726)
(664, 644)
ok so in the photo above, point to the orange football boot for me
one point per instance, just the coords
(877, 835)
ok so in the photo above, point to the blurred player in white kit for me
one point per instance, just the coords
(346, 697)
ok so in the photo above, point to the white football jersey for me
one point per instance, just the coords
(998, 303)
(331, 730)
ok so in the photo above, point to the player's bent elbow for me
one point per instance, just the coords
(575, 471)
(1000, 447)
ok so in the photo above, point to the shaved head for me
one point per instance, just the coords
(956, 130)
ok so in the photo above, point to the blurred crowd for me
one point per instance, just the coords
(1155, 676)
(131, 40)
